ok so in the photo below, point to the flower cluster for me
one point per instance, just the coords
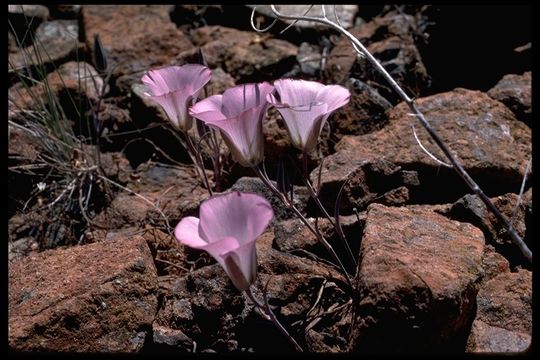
(229, 224)
(238, 113)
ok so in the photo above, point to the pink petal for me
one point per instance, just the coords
(304, 124)
(294, 92)
(174, 88)
(242, 97)
(175, 106)
(242, 216)
(192, 78)
(208, 109)
(155, 83)
(222, 246)
(244, 135)
(335, 96)
(241, 265)
(188, 78)
(187, 233)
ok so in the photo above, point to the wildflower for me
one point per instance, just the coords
(175, 88)
(227, 229)
(238, 114)
(305, 106)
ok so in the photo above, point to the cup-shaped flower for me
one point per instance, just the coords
(305, 106)
(175, 88)
(227, 229)
(238, 114)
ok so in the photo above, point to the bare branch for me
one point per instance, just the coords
(456, 164)
(521, 190)
(266, 28)
(295, 21)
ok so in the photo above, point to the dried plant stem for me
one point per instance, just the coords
(315, 198)
(269, 314)
(458, 167)
(211, 141)
(195, 157)
(521, 190)
(198, 162)
(317, 234)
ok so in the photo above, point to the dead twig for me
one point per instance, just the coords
(454, 161)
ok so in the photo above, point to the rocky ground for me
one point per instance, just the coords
(437, 272)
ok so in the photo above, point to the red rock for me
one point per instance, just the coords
(292, 235)
(507, 205)
(21, 146)
(403, 62)
(245, 55)
(171, 337)
(416, 280)
(504, 316)
(391, 40)
(471, 209)
(175, 191)
(515, 92)
(171, 257)
(273, 261)
(363, 114)
(256, 186)
(295, 281)
(368, 180)
(491, 339)
(135, 37)
(116, 166)
(201, 306)
(342, 57)
(114, 119)
(93, 298)
(492, 145)
(505, 301)
(493, 263)
(78, 78)
(219, 82)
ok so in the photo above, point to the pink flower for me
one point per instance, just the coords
(305, 106)
(175, 88)
(238, 114)
(228, 227)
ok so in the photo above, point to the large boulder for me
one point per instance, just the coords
(93, 298)
(417, 281)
